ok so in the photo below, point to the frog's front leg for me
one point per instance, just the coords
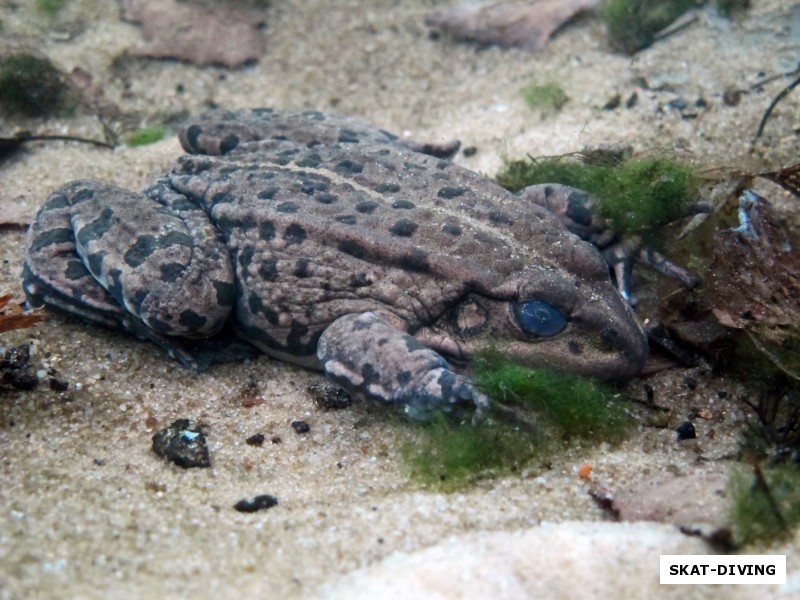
(373, 360)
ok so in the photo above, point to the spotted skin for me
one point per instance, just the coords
(329, 244)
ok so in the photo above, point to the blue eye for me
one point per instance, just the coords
(539, 318)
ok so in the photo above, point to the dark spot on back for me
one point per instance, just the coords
(348, 136)
(403, 228)
(294, 234)
(574, 347)
(348, 166)
(287, 207)
(403, 204)
(301, 268)
(451, 229)
(268, 193)
(266, 230)
(312, 161)
(367, 207)
(387, 187)
(417, 261)
(75, 270)
(326, 198)
(448, 193)
(500, 218)
(352, 248)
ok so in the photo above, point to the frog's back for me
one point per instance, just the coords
(346, 223)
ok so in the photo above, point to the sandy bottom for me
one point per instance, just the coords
(87, 510)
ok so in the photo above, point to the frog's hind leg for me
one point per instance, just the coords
(129, 261)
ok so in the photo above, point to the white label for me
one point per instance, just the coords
(691, 569)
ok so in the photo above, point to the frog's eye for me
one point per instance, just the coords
(539, 318)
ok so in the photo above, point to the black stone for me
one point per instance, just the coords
(183, 443)
(300, 427)
(251, 505)
(256, 440)
(686, 431)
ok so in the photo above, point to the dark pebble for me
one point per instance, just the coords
(251, 505)
(329, 397)
(256, 440)
(183, 443)
(469, 151)
(690, 382)
(276, 439)
(300, 427)
(15, 368)
(632, 100)
(57, 385)
(686, 431)
(722, 394)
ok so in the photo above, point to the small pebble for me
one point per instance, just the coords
(300, 427)
(690, 382)
(251, 505)
(256, 440)
(183, 443)
(686, 431)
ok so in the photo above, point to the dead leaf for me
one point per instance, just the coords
(754, 281)
(788, 178)
(219, 35)
(13, 316)
(526, 25)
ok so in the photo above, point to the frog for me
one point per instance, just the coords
(337, 246)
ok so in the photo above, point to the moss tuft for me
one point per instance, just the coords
(32, 85)
(548, 97)
(633, 24)
(639, 195)
(576, 407)
(146, 135)
(765, 506)
(448, 455)
(49, 7)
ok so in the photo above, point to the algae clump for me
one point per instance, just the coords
(767, 506)
(549, 97)
(32, 85)
(146, 135)
(638, 195)
(449, 455)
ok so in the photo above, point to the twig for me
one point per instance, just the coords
(783, 93)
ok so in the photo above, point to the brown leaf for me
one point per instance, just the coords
(755, 274)
(13, 317)
(218, 35)
(526, 25)
(788, 178)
